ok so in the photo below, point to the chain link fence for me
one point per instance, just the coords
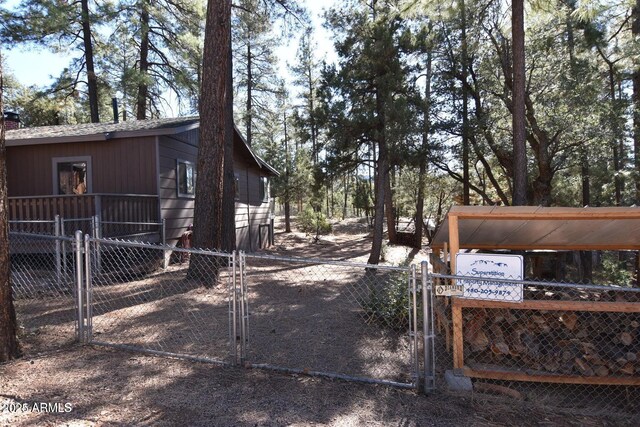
(185, 309)
(560, 345)
(517, 342)
(43, 277)
(338, 319)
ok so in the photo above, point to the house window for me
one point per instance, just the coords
(71, 175)
(186, 176)
(264, 189)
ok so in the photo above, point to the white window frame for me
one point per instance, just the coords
(178, 179)
(265, 196)
(75, 159)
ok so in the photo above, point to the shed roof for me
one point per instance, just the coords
(128, 129)
(530, 227)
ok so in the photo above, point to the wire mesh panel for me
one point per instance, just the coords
(337, 319)
(183, 310)
(43, 281)
(561, 345)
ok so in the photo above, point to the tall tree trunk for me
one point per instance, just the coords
(9, 348)
(249, 104)
(380, 185)
(635, 29)
(143, 85)
(636, 105)
(426, 129)
(287, 176)
(519, 129)
(229, 192)
(92, 80)
(209, 211)
(346, 189)
(465, 109)
(615, 145)
(389, 210)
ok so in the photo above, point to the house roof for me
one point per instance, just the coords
(531, 227)
(128, 129)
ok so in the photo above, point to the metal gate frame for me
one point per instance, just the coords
(421, 359)
(413, 288)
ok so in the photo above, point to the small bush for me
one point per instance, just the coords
(389, 301)
(310, 221)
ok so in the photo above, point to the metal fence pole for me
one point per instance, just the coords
(79, 280)
(88, 289)
(97, 234)
(163, 238)
(427, 328)
(244, 327)
(234, 303)
(58, 255)
(414, 320)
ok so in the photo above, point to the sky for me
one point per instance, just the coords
(39, 66)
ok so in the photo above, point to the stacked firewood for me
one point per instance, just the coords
(553, 342)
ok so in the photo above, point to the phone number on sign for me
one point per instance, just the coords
(49, 408)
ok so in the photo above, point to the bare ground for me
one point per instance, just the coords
(114, 387)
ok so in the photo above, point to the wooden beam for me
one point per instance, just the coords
(530, 247)
(552, 305)
(458, 342)
(454, 241)
(559, 379)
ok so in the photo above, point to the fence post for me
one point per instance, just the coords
(244, 326)
(427, 328)
(88, 288)
(414, 328)
(233, 314)
(163, 238)
(79, 279)
(57, 233)
(97, 234)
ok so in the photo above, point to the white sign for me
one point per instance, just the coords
(491, 266)
(449, 290)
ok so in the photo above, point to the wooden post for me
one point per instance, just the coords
(454, 241)
(458, 342)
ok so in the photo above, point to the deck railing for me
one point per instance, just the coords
(109, 207)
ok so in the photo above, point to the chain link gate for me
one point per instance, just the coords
(352, 321)
(336, 319)
(134, 302)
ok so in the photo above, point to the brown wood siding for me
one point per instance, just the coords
(177, 211)
(124, 166)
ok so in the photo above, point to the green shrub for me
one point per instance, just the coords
(389, 305)
(310, 221)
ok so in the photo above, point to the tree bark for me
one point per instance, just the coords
(92, 80)
(389, 211)
(287, 177)
(209, 200)
(9, 348)
(143, 66)
(465, 110)
(249, 104)
(229, 193)
(519, 129)
(380, 184)
(635, 29)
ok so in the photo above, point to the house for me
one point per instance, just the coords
(129, 172)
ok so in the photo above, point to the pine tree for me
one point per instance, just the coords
(9, 348)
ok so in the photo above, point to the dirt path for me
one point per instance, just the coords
(106, 387)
